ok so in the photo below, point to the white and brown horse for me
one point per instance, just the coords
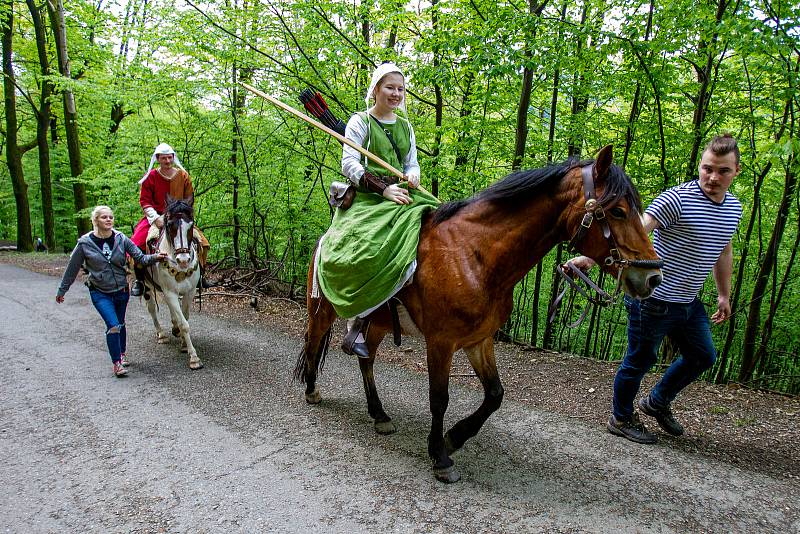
(176, 278)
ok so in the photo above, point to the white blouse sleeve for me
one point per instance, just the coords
(410, 164)
(356, 131)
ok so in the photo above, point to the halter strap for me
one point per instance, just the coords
(594, 211)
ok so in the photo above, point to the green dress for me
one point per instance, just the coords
(366, 253)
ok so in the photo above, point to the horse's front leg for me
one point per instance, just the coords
(440, 357)
(383, 423)
(180, 322)
(161, 335)
(481, 356)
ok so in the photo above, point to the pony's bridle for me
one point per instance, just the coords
(594, 211)
(184, 248)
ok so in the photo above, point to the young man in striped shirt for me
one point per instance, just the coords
(693, 224)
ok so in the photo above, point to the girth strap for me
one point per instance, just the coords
(396, 338)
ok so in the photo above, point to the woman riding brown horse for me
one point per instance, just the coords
(470, 256)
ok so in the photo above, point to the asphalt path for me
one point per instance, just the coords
(235, 448)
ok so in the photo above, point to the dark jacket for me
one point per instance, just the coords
(105, 275)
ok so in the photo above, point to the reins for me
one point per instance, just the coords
(594, 212)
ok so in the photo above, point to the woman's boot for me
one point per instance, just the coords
(355, 341)
(137, 289)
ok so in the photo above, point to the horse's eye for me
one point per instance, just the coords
(618, 213)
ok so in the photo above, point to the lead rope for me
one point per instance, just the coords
(572, 287)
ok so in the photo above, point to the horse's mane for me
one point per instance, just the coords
(176, 207)
(520, 186)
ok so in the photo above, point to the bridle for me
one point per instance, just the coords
(594, 212)
(184, 247)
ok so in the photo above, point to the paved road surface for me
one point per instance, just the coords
(235, 448)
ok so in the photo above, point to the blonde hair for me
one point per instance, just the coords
(96, 214)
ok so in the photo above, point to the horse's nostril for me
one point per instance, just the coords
(654, 281)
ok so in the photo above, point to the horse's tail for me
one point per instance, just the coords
(321, 317)
(299, 373)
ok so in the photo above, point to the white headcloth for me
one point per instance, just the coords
(382, 70)
(163, 148)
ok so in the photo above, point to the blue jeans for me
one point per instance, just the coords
(649, 321)
(111, 307)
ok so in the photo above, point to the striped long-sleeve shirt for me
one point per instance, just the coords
(693, 232)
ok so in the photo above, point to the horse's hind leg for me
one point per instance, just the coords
(161, 335)
(481, 356)
(321, 316)
(383, 423)
(440, 357)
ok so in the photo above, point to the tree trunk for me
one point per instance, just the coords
(580, 98)
(237, 101)
(551, 135)
(13, 153)
(702, 100)
(462, 152)
(765, 269)
(722, 360)
(580, 102)
(636, 107)
(439, 104)
(70, 115)
(42, 127)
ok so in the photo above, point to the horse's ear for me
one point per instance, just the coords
(169, 199)
(603, 162)
(189, 200)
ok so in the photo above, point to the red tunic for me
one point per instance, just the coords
(153, 194)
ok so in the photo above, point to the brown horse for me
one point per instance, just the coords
(470, 256)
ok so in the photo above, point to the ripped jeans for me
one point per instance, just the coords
(111, 307)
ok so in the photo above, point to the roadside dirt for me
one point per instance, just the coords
(753, 430)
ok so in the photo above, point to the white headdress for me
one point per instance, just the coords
(163, 148)
(377, 76)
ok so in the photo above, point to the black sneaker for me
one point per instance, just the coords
(632, 429)
(663, 415)
(205, 284)
(137, 288)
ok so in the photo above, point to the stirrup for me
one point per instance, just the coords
(349, 345)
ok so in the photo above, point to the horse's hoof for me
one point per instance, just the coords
(448, 475)
(176, 331)
(162, 340)
(184, 348)
(314, 397)
(385, 427)
(194, 366)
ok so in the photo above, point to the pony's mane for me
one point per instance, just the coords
(520, 186)
(178, 207)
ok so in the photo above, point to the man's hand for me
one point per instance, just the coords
(723, 312)
(584, 263)
(397, 194)
(159, 222)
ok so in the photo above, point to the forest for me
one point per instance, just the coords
(91, 87)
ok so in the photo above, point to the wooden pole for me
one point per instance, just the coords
(389, 167)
